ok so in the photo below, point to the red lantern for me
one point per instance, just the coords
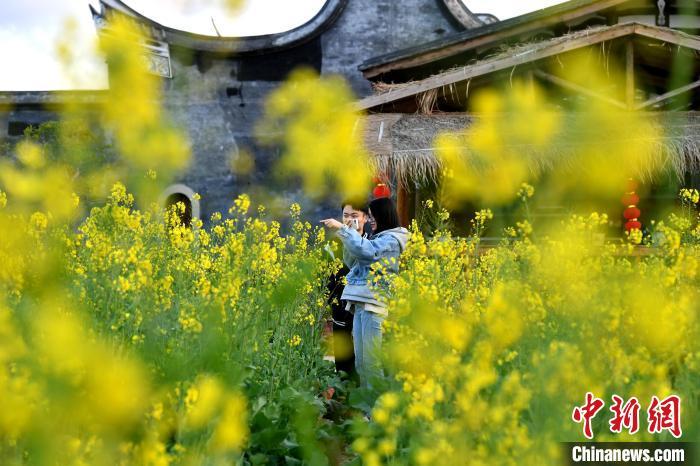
(633, 225)
(381, 190)
(632, 213)
(630, 199)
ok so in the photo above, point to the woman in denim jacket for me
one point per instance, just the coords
(384, 246)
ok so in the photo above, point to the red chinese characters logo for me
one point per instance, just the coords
(587, 412)
(661, 415)
(665, 415)
(624, 415)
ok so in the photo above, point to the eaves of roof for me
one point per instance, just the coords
(487, 34)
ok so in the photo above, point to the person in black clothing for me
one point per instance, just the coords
(342, 319)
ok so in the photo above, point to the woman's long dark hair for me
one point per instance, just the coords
(385, 214)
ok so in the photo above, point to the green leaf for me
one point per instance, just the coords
(290, 460)
(362, 398)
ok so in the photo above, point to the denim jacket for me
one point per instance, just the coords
(360, 253)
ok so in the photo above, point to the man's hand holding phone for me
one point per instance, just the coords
(353, 223)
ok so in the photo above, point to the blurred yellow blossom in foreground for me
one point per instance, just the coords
(313, 118)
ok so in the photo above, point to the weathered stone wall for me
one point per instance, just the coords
(368, 28)
(219, 99)
(216, 105)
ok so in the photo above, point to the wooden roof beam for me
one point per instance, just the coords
(498, 63)
(487, 40)
(539, 51)
(668, 35)
(578, 88)
(668, 95)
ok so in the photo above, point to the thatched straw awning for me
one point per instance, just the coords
(402, 144)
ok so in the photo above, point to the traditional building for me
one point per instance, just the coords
(654, 43)
(215, 87)
(424, 57)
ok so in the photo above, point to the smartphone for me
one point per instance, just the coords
(355, 224)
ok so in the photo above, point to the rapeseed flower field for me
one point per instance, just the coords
(130, 338)
(133, 339)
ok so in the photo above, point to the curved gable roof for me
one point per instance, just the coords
(260, 44)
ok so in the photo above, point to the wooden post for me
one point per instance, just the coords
(629, 62)
(402, 198)
(530, 82)
(403, 205)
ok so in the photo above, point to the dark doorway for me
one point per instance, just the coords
(186, 216)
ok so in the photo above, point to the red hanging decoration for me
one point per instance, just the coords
(381, 189)
(631, 213)
(633, 225)
(630, 199)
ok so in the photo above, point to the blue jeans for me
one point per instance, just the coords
(367, 341)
